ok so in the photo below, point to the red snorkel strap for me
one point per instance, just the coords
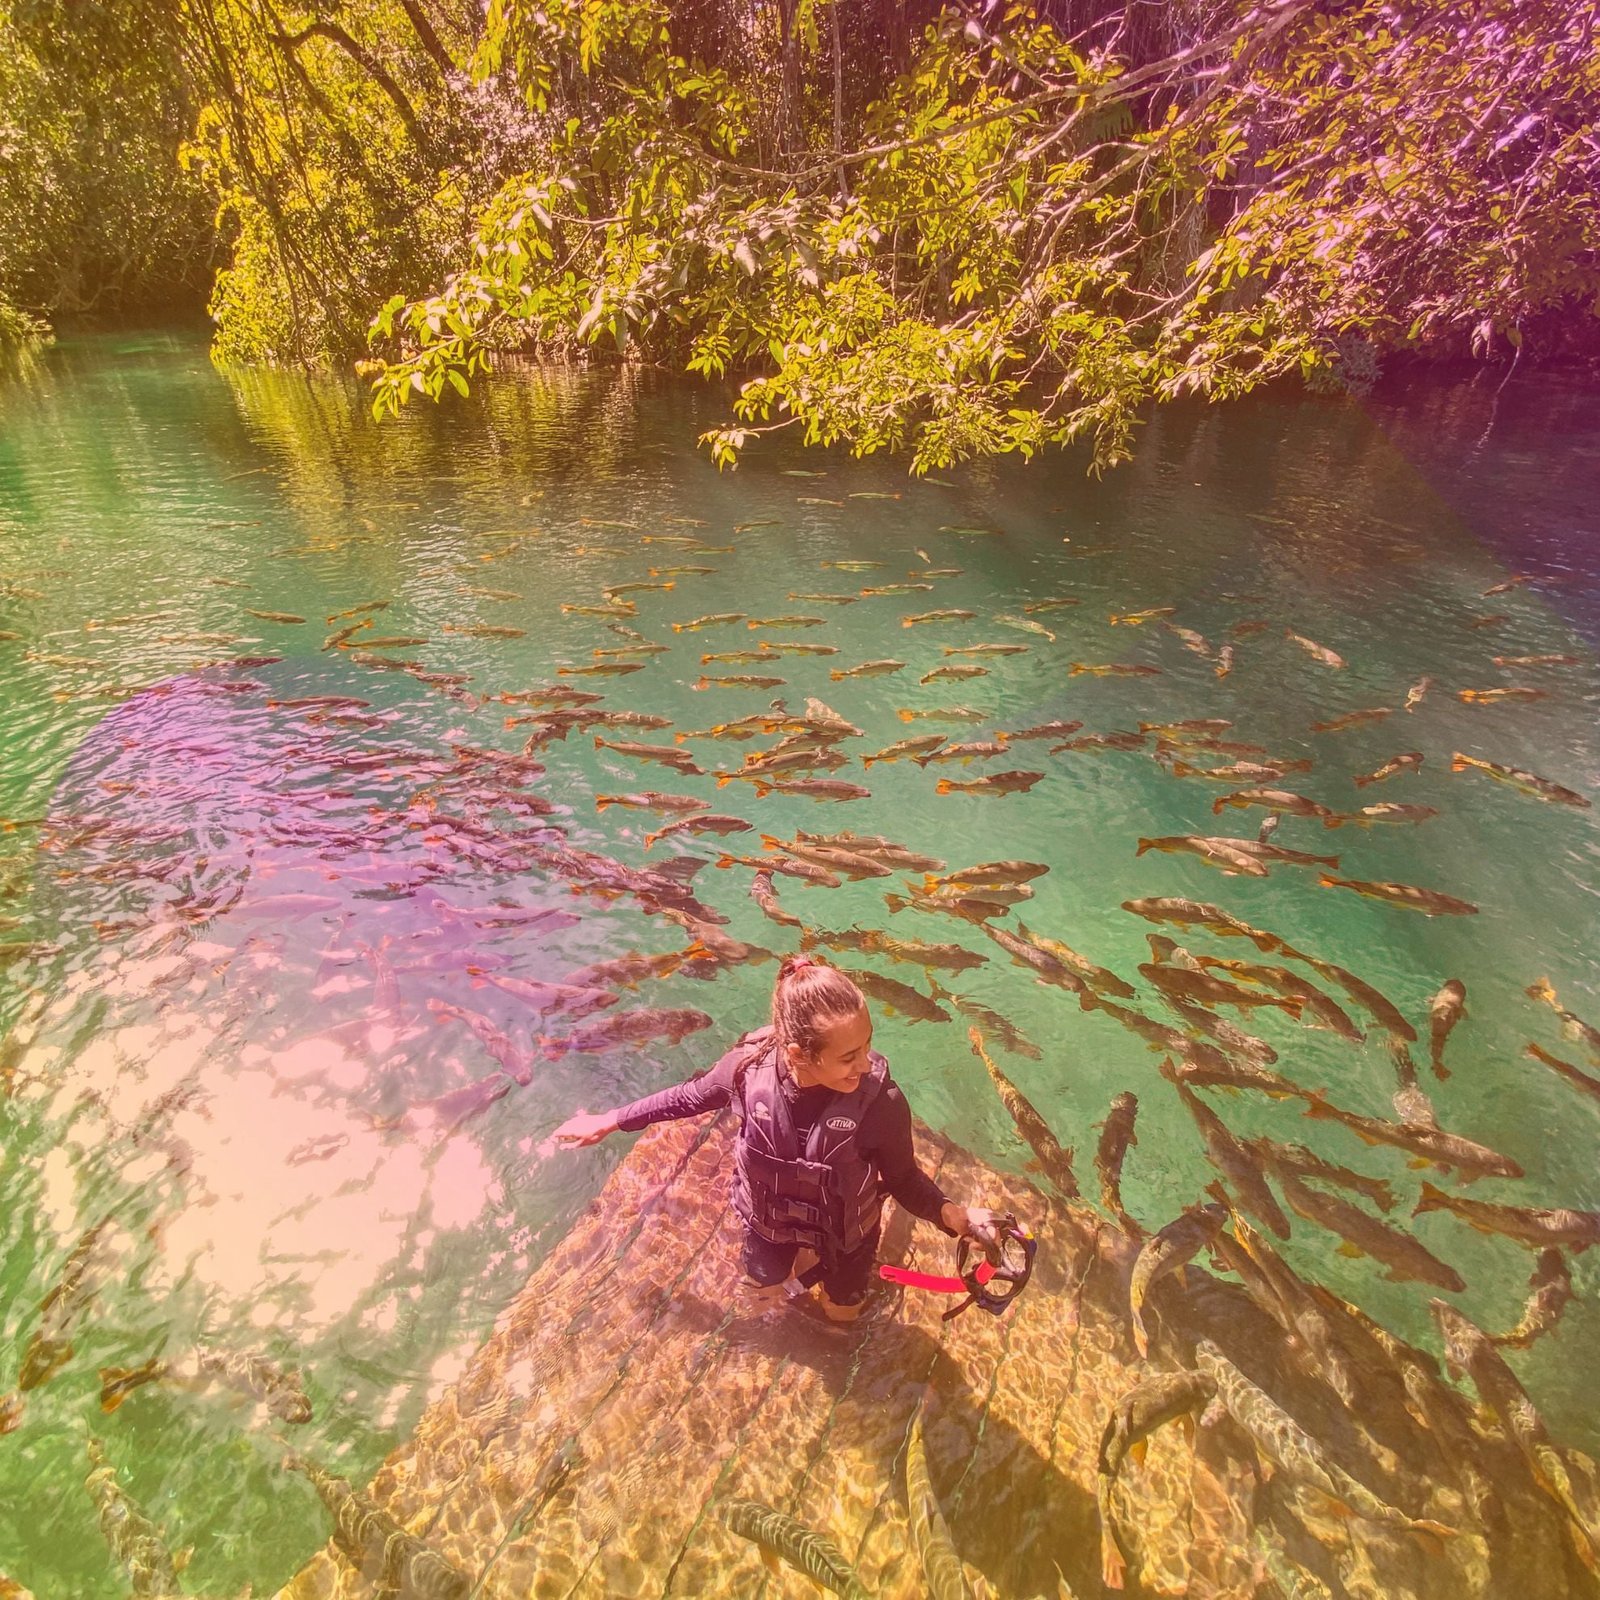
(1010, 1276)
(929, 1280)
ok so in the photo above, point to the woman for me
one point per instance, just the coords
(824, 1133)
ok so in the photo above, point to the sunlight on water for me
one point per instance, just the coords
(273, 907)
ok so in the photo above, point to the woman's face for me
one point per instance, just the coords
(840, 1062)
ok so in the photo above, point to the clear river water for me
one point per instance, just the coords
(242, 916)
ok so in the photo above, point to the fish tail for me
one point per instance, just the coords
(1144, 844)
(1325, 882)
(724, 781)
(944, 786)
(905, 716)
(650, 839)
(598, 742)
(601, 801)
(1459, 762)
(770, 841)
(1217, 805)
(1334, 820)
(895, 902)
(1433, 1199)
(866, 761)
(117, 1383)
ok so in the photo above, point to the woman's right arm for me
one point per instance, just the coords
(709, 1092)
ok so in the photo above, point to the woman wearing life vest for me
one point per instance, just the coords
(824, 1133)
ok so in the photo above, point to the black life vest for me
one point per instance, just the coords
(825, 1193)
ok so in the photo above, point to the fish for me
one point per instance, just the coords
(1448, 1150)
(1469, 1350)
(1514, 581)
(1032, 608)
(1191, 728)
(1247, 629)
(1576, 1076)
(737, 681)
(785, 622)
(12, 1407)
(624, 651)
(944, 1577)
(1219, 1071)
(1221, 853)
(265, 616)
(625, 971)
(781, 1538)
(1318, 652)
(1058, 729)
(786, 647)
(1301, 1162)
(138, 1546)
(827, 599)
(697, 823)
(765, 896)
(680, 572)
(852, 566)
(1150, 1405)
(1120, 739)
(668, 755)
(1224, 661)
(1527, 782)
(1323, 1010)
(1284, 800)
(1025, 625)
(1445, 1010)
(1572, 1026)
(848, 863)
(1116, 1137)
(816, 500)
(626, 1027)
(1238, 771)
(1491, 619)
(938, 957)
(1200, 914)
(1491, 697)
(973, 908)
(1236, 1162)
(896, 588)
(1205, 989)
(949, 527)
(385, 1553)
(1163, 1253)
(947, 614)
(84, 1271)
(1353, 719)
(652, 800)
(612, 591)
(466, 589)
(556, 694)
(943, 714)
(1551, 1284)
(802, 758)
(603, 669)
(1379, 1006)
(716, 619)
(1114, 669)
(953, 674)
(813, 788)
(1011, 781)
(1384, 811)
(984, 650)
(867, 669)
(1430, 902)
(1530, 1225)
(1536, 661)
(279, 1388)
(1405, 1259)
(479, 630)
(900, 998)
(1100, 979)
(989, 1022)
(1286, 1443)
(921, 745)
(515, 1061)
(1417, 693)
(546, 997)
(383, 605)
(1137, 619)
(989, 872)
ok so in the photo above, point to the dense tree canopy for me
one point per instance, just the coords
(950, 230)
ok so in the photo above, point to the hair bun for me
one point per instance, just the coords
(797, 963)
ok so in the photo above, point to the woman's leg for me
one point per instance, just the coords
(843, 1291)
(766, 1269)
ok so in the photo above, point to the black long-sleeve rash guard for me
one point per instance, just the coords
(884, 1135)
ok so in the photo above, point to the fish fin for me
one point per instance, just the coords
(183, 1558)
(1138, 1450)
(1353, 1251)
(1325, 882)
(1432, 1199)
(905, 716)
(1416, 1163)
(1458, 763)
(724, 781)
(771, 1562)
(943, 786)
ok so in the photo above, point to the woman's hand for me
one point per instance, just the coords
(984, 1227)
(587, 1127)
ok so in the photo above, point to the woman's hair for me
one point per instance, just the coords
(808, 995)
